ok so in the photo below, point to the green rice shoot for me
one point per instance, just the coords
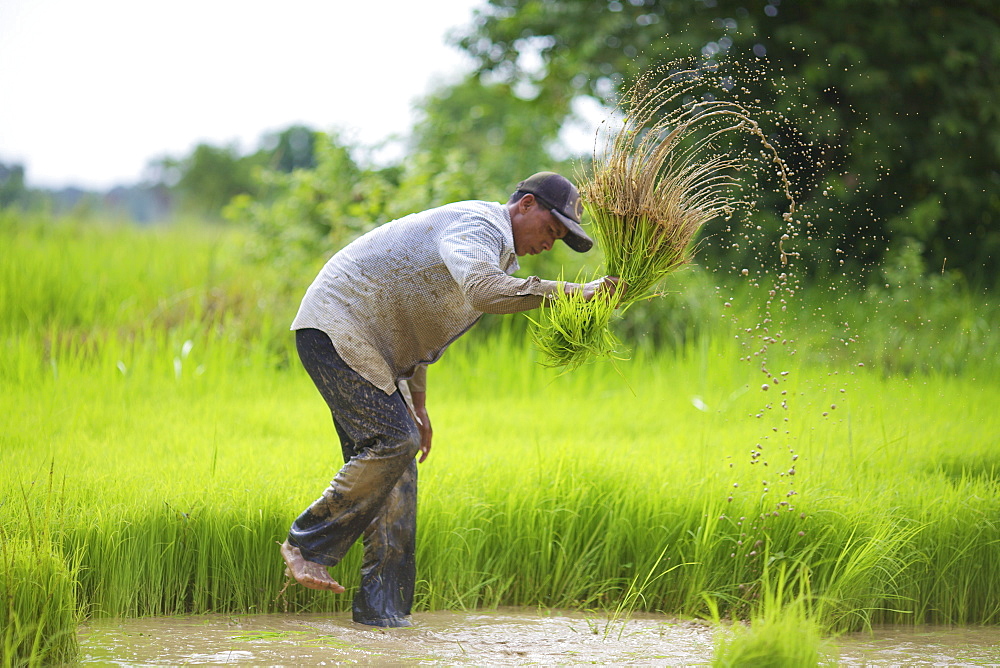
(570, 330)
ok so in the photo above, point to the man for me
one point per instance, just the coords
(378, 313)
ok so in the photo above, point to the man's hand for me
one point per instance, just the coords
(423, 423)
(608, 284)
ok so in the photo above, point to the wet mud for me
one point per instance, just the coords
(503, 637)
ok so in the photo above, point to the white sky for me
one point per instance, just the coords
(91, 91)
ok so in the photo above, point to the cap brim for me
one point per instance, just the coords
(577, 239)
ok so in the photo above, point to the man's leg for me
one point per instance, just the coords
(388, 572)
(384, 439)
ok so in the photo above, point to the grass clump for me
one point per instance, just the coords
(784, 640)
(659, 176)
(781, 633)
(38, 608)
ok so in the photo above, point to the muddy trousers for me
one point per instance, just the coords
(373, 496)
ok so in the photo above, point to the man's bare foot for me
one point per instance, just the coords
(308, 573)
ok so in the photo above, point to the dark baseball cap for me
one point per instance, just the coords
(556, 193)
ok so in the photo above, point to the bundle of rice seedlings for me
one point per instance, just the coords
(662, 173)
(569, 331)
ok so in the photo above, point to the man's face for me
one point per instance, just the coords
(535, 228)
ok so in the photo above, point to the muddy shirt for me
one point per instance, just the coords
(394, 299)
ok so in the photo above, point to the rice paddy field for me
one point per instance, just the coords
(833, 461)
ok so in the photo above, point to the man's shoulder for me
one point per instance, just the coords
(489, 216)
(471, 206)
(468, 222)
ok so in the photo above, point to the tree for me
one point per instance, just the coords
(210, 177)
(290, 149)
(12, 189)
(501, 133)
(301, 217)
(893, 130)
(474, 140)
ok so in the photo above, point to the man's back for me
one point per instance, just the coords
(400, 294)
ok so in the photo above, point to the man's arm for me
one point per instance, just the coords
(471, 250)
(490, 293)
(423, 423)
(418, 393)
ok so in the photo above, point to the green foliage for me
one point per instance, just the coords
(12, 190)
(474, 140)
(431, 179)
(890, 125)
(303, 216)
(498, 134)
(292, 148)
(208, 178)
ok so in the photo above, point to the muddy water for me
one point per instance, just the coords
(504, 637)
(922, 646)
(446, 638)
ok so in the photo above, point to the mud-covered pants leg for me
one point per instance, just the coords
(373, 495)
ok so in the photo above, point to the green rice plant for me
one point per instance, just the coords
(780, 634)
(179, 486)
(38, 597)
(953, 559)
(38, 607)
(860, 580)
(183, 449)
(635, 595)
(570, 330)
(75, 286)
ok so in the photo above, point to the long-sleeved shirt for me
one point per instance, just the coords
(395, 298)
